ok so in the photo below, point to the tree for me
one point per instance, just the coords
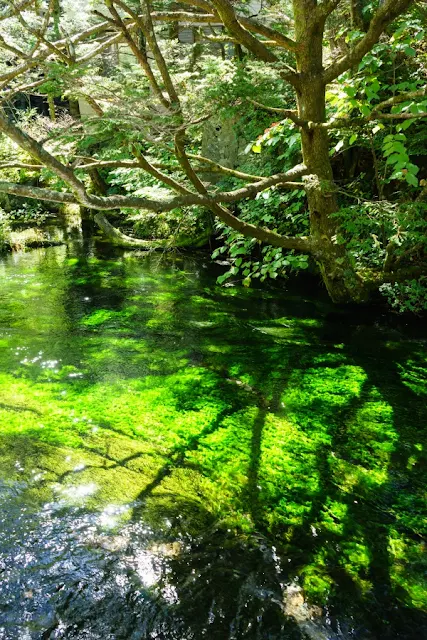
(299, 61)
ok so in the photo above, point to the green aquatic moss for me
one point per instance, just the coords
(139, 382)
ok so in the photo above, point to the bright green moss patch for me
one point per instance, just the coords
(126, 382)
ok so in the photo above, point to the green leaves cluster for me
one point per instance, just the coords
(409, 296)
(396, 155)
(380, 233)
(283, 135)
(248, 260)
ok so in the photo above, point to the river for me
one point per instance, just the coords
(180, 460)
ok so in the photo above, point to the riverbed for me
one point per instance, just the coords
(181, 460)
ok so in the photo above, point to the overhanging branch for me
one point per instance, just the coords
(389, 11)
(209, 201)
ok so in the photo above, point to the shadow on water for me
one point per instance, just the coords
(260, 462)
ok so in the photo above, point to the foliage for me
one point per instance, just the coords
(4, 231)
(409, 296)
(371, 230)
(282, 212)
(29, 213)
(383, 235)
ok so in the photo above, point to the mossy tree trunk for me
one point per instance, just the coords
(337, 272)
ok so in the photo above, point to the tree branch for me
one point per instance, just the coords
(115, 202)
(249, 24)
(257, 27)
(399, 116)
(399, 98)
(6, 95)
(327, 7)
(215, 167)
(139, 55)
(151, 169)
(384, 16)
(21, 165)
(34, 60)
(292, 114)
(35, 149)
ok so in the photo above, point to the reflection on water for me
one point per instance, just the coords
(66, 576)
(184, 461)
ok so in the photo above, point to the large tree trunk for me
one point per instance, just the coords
(338, 275)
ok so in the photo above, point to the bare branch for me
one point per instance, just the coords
(399, 116)
(351, 123)
(108, 203)
(292, 114)
(185, 17)
(254, 26)
(40, 33)
(11, 48)
(151, 169)
(327, 7)
(231, 22)
(138, 53)
(147, 27)
(117, 201)
(33, 60)
(117, 237)
(21, 165)
(101, 47)
(35, 149)
(6, 95)
(214, 166)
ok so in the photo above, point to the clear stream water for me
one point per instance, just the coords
(180, 460)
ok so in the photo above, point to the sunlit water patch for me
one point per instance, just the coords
(181, 460)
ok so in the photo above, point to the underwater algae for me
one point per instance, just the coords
(233, 416)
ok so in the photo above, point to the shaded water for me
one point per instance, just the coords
(184, 461)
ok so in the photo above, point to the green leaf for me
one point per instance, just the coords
(223, 277)
(410, 51)
(396, 147)
(397, 157)
(236, 251)
(406, 124)
(411, 179)
(412, 168)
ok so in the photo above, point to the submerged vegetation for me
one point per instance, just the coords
(226, 422)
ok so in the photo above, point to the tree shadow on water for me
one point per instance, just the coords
(361, 540)
(307, 445)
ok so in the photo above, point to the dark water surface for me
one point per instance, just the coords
(184, 461)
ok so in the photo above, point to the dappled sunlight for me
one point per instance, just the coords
(216, 421)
